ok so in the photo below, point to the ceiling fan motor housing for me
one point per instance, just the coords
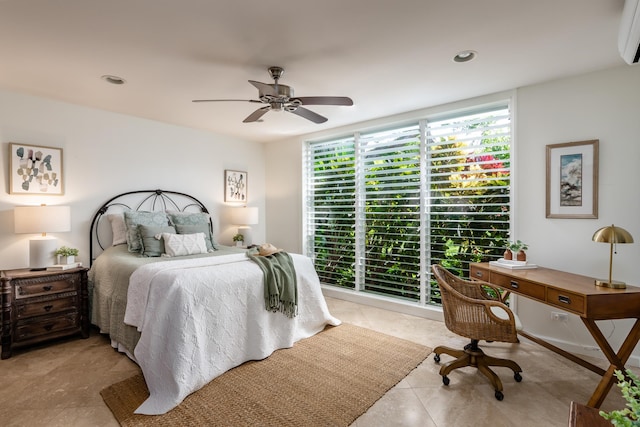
(281, 93)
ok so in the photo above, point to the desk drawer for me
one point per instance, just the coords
(479, 273)
(565, 300)
(518, 286)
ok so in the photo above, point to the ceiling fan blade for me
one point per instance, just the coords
(309, 115)
(264, 88)
(325, 100)
(255, 116)
(225, 100)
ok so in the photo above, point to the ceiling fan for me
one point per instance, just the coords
(278, 97)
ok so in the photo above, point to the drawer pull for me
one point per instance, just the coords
(47, 308)
(48, 327)
(563, 299)
(514, 284)
(47, 288)
(479, 273)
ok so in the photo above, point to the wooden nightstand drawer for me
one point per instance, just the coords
(45, 285)
(566, 300)
(49, 325)
(524, 287)
(46, 307)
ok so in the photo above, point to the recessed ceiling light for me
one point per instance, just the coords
(114, 80)
(465, 56)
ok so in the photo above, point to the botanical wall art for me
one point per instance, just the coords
(235, 186)
(572, 180)
(35, 170)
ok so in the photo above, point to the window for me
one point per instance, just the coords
(382, 206)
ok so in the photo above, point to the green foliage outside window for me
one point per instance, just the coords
(468, 199)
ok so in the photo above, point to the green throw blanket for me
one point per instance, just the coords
(280, 283)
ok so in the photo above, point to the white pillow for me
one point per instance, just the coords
(118, 228)
(183, 244)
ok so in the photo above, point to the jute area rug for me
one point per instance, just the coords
(329, 379)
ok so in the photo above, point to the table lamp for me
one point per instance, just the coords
(244, 217)
(612, 235)
(42, 219)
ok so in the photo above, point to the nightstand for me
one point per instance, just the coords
(42, 305)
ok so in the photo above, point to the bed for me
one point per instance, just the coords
(187, 318)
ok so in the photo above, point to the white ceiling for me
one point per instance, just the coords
(388, 56)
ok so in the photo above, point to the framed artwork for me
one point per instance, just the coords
(572, 180)
(235, 186)
(35, 170)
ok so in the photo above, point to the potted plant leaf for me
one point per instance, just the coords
(518, 249)
(66, 255)
(629, 416)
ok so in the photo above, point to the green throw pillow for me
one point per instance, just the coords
(152, 247)
(200, 228)
(133, 219)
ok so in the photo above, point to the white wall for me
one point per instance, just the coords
(106, 154)
(603, 105)
(606, 106)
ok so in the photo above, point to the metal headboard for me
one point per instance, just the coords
(153, 200)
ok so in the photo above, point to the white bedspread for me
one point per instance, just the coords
(200, 317)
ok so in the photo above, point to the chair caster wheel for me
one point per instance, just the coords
(499, 395)
(436, 358)
(517, 377)
(445, 380)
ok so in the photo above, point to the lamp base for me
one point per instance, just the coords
(615, 284)
(246, 232)
(41, 252)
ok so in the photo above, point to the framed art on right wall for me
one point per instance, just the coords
(572, 180)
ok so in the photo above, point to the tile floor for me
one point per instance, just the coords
(59, 385)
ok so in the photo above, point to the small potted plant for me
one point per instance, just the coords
(66, 255)
(239, 239)
(517, 250)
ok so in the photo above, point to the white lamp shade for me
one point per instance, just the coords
(244, 216)
(42, 219)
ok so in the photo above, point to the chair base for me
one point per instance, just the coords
(472, 355)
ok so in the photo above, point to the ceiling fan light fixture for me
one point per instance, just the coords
(465, 56)
(114, 80)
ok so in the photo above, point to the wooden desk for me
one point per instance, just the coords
(584, 416)
(576, 294)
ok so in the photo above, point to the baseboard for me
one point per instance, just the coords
(586, 350)
(386, 303)
(435, 313)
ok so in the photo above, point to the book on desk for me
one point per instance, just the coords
(512, 265)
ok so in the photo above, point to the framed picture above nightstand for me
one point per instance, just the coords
(42, 305)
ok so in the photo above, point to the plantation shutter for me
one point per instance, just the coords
(391, 190)
(382, 207)
(330, 219)
(469, 201)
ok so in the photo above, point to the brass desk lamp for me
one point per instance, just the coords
(612, 235)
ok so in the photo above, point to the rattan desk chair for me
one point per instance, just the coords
(472, 312)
